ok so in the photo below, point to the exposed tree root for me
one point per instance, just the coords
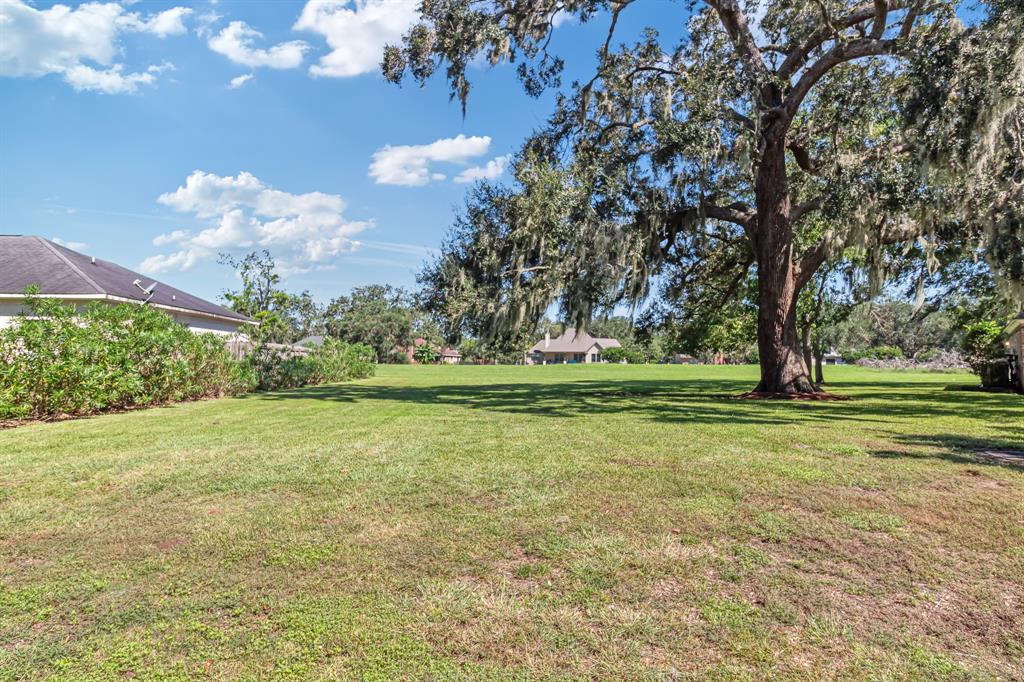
(816, 395)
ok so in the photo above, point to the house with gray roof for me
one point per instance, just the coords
(76, 278)
(569, 348)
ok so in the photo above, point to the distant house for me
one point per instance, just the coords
(450, 356)
(410, 351)
(446, 356)
(832, 358)
(1015, 349)
(569, 348)
(78, 279)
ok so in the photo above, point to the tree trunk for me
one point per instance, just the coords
(782, 366)
(819, 374)
(805, 343)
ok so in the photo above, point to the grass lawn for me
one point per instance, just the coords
(522, 522)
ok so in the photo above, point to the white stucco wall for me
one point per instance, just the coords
(196, 323)
(199, 324)
(8, 309)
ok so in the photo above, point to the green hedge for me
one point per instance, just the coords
(874, 353)
(56, 361)
(332, 362)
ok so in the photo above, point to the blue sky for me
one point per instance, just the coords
(121, 130)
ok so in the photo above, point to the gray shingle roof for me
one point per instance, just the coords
(58, 270)
(572, 342)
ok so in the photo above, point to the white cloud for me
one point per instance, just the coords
(235, 41)
(170, 237)
(205, 22)
(492, 169)
(408, 165)
(167, 23)
(181, 260)
(561, 17)
(112, 81)
(302, 230)
(356, 31)
(239, 81)
(80, 43)
(74, 246)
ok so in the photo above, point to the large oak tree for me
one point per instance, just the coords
(776, 136)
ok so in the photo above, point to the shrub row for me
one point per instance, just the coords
(874, 353)
(331, 362)
(933, 361)
(61, 361)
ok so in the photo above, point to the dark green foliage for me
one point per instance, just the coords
(631, 356)
(334, 361)
(426, 355)
(383, 317)
(874, 353)
(59, 362)
(982, 346)
(284, 317)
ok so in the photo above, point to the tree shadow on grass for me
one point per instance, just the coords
(958, 448)
(691, 400)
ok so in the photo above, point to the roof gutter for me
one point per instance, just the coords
(121, 299)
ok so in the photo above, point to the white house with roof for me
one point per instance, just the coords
(569, 348)
(75, 278)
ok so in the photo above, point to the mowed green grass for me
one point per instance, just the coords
(522, 522)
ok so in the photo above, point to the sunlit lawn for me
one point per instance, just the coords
(522, 522)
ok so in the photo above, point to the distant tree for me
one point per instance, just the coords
(894, 324)
(261, 297)
(305, 316)
(827, 300)
(284, 317)
(381, 316)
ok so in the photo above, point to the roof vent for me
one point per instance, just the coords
(93, 260)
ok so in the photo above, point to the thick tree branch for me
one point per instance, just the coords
(803, 158)
(735, 22)
(830, 243)
(843, 52)
(739, 213)
(811, 259)
(881, 12)
(632, 125)
(908, 21)
(800, 210)
(739, 118)
(796, 57)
